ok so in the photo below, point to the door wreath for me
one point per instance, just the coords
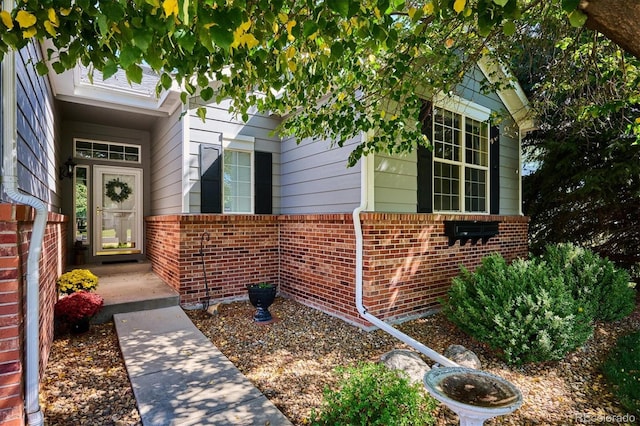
(117, 191)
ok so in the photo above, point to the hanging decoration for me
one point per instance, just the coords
(117, 191)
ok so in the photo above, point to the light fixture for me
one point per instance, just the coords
(66, 170)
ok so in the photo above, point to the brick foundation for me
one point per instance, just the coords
(15, 233)
(407, 262)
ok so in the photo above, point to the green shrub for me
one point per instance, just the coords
(372, 394)
(602, 289)
(622, 370)
(519, 309)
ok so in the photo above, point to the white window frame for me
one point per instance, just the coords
(245, 144)
(110, 143)
(467, 110)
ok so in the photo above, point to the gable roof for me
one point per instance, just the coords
(512, 95)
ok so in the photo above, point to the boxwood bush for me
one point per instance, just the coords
(542, 308)
(519, 309)
(372, 394)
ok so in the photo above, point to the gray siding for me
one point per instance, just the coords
(509, 143)
(219, 123)
(38, 132)
(316, 179)
(395, 182)
(167, 163)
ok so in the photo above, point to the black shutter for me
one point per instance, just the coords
(494, 171)
(263, 183)
(210, 179)
(425, 161)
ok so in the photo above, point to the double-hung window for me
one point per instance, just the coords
(235, 178)
(237, 181)
(460, 158)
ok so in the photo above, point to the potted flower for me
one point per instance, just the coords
(261, 296)
(77, 280)
(77, 309)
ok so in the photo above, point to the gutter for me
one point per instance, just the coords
(10, 186)
(357, 225)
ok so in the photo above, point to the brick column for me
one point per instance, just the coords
(11, 323)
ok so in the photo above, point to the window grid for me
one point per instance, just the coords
(454, 173)
(237, 182)
(107, 151)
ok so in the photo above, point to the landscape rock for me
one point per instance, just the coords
(214, 309)
(407, 361)
(463, 356)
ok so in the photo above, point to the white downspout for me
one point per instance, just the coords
(10, 186)
(427, 351)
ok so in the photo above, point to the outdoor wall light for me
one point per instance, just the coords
(66, 170)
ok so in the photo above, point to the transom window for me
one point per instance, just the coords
(460, 162)
(106, 151)
(238, 181)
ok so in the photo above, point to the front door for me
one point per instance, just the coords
(117, 210)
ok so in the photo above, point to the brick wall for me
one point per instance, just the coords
(15, 231)
(317, 262)
(240, 250)
(407, 262)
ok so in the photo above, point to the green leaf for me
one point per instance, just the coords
(577, 18)
(153, 58)
(221, 36)
(309, 27)
(113, 10)
(185, 39)
(142, 39)
(509, 28)
(109, 69)
(501, 3)
(570, 5)
(337, 50)
(206, 94)
(129, 55)
(67, 60)
(341, 7)
(202, 113)
(166, 81)
(41, 68)
(58, 67)
(102, 24)
(203, 81)
(134, 73)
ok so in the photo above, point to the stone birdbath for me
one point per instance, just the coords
(474, 395)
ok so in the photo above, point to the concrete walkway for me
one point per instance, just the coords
(180, 378)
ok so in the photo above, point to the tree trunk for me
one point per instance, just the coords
(618, 20)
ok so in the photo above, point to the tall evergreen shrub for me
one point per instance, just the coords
(602, 289)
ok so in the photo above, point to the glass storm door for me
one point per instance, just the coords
(118, 210)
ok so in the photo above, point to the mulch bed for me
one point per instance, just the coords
(293, 359)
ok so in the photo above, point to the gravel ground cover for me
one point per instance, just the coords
(292, 360)
(86, 382)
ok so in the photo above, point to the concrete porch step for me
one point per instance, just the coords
(130, 287)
